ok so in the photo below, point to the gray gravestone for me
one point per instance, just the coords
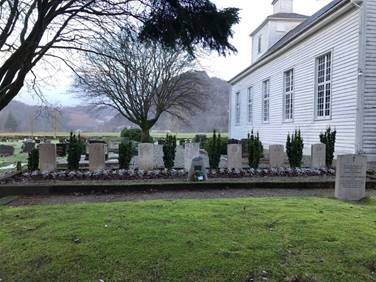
(318, 155)
(179, 157)
(276, 155)
(145, 156)
(191, 150)
(158, 156)
(351, 172)
(234, 156)
(97, 156)
(28, 146)
(47, 157)
(197, 167)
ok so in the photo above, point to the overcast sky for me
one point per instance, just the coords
(252, 13)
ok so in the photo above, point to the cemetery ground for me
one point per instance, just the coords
(249, 239)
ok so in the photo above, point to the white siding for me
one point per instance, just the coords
(369, 102)
(341, 38)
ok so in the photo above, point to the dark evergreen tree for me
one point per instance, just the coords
(329, 139)
(214, 148)
(294, 149)
(74, 152)
(125, 154)
(169, 150)
(255, 150)
(33, 160)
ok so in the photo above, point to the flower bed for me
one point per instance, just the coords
(162, 174)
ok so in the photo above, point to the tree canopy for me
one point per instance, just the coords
(141, 80)
(32, 30)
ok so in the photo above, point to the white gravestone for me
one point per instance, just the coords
(351, 172)
(47, 157)
(276, 155)
(234, 156)
(146, 156)
(191, 150)
(318, 155)
(97, 156)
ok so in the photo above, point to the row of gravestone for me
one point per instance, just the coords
(350, 175)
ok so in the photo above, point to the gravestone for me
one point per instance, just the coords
(96, 156)
(351, 172)
(6, 150)
(318, 155)
(197, 170)
(61, 149)
(47, 157)
(276, 155)
(28, 146)
(191, 150)
(158, 156)
(234, 156)
(179, 157)
(145, 156)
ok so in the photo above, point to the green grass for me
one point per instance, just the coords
(313, 239)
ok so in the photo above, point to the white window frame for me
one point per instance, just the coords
(266, 101)
(250, 104)
(288, 95)
(323, 86)
(237, 108)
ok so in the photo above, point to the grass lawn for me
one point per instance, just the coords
(281, 239)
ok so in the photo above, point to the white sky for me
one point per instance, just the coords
(252, 13)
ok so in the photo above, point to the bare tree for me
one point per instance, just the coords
(141, 81)
(31, 29)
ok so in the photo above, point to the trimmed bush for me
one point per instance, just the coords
(33, 160)
(125, 154)
(134, 134)
(294, 149)
(329, 139)
(214, 147)
(169, 150)
(255, 150)
(74, 152)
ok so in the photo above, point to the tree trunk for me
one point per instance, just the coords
(145, 135)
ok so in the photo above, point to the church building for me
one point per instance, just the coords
(310, 73)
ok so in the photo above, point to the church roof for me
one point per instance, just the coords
(300, 29)
(280, 16)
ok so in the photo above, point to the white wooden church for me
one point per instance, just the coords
(311, 73)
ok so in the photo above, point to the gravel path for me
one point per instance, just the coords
(173, 195)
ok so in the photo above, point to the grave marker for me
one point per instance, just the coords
(318, 155)
(145, 156)
(234, 156)
(351, 172)
(96, 156)
(276, 155)
(191, 150)
(47, 157)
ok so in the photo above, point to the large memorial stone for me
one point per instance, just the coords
(318, 155)
(234, 156)
(351, 171)
(146, 156)
(276, 155)
(191, 150)
(197, 170)
(47, 157)
(97, 156)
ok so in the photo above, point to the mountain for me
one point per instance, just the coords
(214, 115)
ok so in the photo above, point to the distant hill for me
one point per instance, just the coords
(87, 118)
